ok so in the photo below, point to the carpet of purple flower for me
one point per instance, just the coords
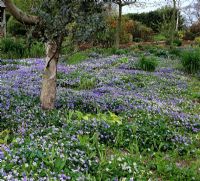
(112, 122)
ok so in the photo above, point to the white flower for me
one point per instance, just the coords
(18, 140)
(26, 165)
(107, 169)
(119, 159)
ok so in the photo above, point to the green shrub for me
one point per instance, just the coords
(14, 27)
(12, 48)
(197, 40)
(15, 48)
(140, 32)
(120, 51)
(77, 57)
(161, 53)
(87, 83)
(159, 37)
(148, 63)
(195, 28)
(191, 60)
(36, 50)
(137, 39)
(175, 51)
(177, 42)
(189, 36)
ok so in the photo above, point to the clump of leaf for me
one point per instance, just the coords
(148, 63)
(191, 60)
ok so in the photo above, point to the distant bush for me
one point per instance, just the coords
(195, 29)
(191, 60)
(159, 37)
(141, 32)
(155, 19)
(137, 39)
(197, 40)
(189, 36)
(106, 37)
(148, 63)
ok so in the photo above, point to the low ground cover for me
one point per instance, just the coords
(114, 121)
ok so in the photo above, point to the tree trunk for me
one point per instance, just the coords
(177, 22)
(48, 92)
(173, 22)
(118, 31)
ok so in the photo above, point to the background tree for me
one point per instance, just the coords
(155, 19)
(51, 19)
(120, 4)
(192, 12)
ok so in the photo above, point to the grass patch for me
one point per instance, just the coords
(191, 60)
(77, 58)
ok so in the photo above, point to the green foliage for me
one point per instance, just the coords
(82, 81)
(105, 37)
(159, 37)
(87, 83)
(155, 19)
(167, 29)
(197, 40)
(189, 36)
(177, 42)
(139, 144)
(195, 29)
(27, 5)
(123, 60)
(17, 48)
(119, 51)
(191, 60)
(137, 39)
(14, 27)
(108, 117)
(4, 136)
(13, 48)
(175, 51)
(110, 51)
(60, 18)
(36, 50)
(141, 32)
(77, 58)
(148, 63)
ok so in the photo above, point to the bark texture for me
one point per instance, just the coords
(48, 91)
